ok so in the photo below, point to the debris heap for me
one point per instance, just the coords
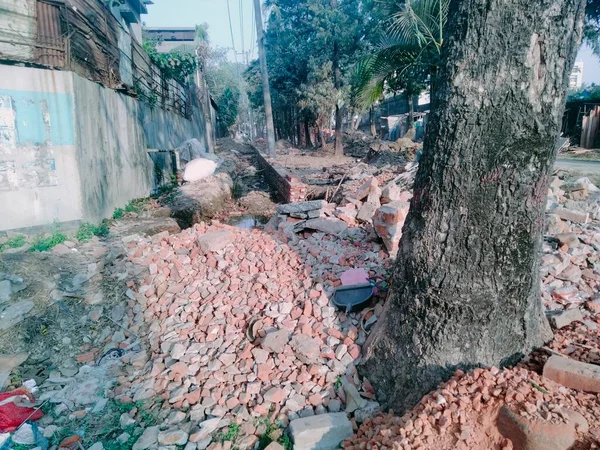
(241, 325)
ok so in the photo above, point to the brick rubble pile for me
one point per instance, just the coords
(240, 324)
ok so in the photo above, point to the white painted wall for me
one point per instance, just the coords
(39, 178)
(73, 150)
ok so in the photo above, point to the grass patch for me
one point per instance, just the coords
(118, 213)
(43, 244)
(274, 433)
(137, 205)
(134, 206)
(229, 434)
(13, 242)
(87, 231)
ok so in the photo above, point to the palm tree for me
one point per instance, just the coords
(407, 56)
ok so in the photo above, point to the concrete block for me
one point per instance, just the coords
(573, 374)
(214, 241)
(572, 215)
(323, 432)
(564, 318)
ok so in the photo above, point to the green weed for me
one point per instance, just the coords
(231, 433)
(274, 433)
(13, 242)
(135, 206)
(286, 441)
(43, 244)
(118, 213)
(87, 231)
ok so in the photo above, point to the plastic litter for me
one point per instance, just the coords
(353, 298)
(16, 407)
(198, 169)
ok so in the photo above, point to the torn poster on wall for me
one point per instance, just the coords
(31, 124)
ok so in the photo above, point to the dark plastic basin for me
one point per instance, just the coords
(353, 298)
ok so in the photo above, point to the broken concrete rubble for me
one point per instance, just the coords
(301, 207)
(573, 374)
(324, 432)
(324, 225)
(213, 242)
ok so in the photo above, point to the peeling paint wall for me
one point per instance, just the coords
(73, 150)
(39, 181)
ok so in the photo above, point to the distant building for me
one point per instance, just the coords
(129, 13)
(172, 38)
(576, 77)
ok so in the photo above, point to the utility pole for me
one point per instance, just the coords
(205, 104)
(265, 78)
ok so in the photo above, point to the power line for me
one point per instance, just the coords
(231, 30)
(242, 25)
(253, 32)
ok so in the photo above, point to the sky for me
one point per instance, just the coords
(187, 13)
(591, 65)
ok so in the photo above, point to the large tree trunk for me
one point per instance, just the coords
(307, 133)
(372, 122)
(465, 291)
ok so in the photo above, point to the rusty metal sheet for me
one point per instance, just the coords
(50, 49)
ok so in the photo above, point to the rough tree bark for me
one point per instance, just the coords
(307, 133)
(465, 291)
(372, 127)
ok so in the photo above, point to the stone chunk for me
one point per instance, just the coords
(353, 399)
(301, 207)
(322, 432)
(275, 395)
(14, 314)
(390, 193)
(366, 212)
(214, 241)
(148, 438)
(572, 215)
(366, 188)
(5, 291)
(531, 435)
(173, 437)
(275, 341)
(306, 348)
(324, 225)
(274, 446)
(564, 318)
(370, 410)
(573, 374)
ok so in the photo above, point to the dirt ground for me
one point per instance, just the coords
(100, 331)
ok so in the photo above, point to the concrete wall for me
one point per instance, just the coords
(165, 130)
(39, 178)
(73, 150)
(114, 165)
